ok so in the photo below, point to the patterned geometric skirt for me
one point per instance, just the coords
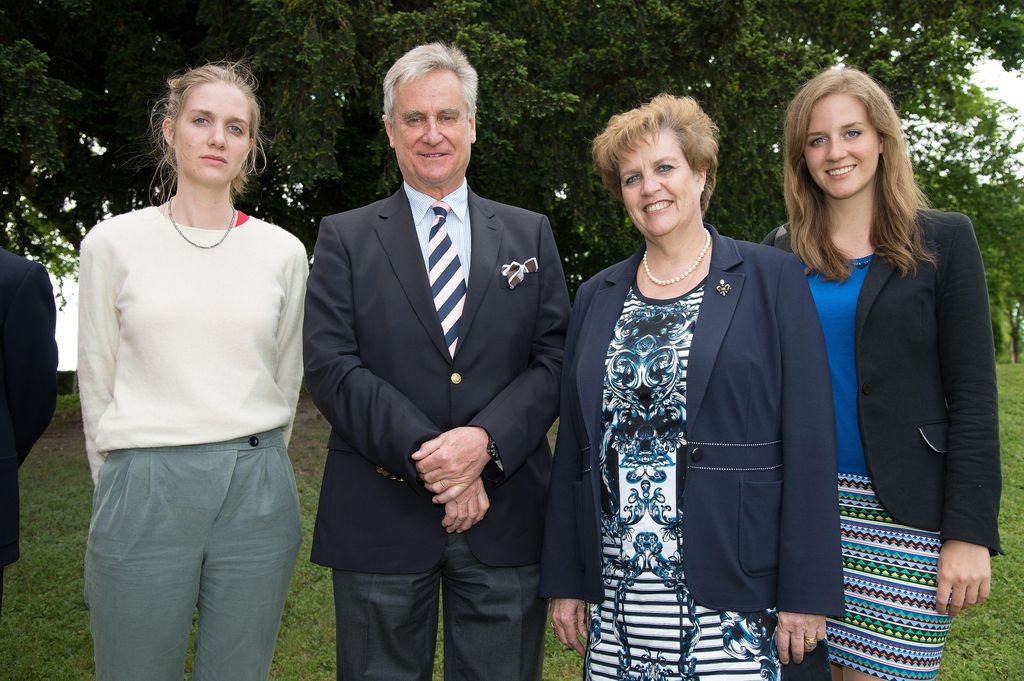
(891, 630)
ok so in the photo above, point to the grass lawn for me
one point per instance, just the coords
(44, 633)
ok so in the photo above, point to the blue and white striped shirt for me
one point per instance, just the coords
(457, 222)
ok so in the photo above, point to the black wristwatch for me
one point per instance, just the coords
(492, 450)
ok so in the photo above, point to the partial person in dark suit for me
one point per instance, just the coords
(902, 298)
(28, 381)
(434, 327)
(692, 497)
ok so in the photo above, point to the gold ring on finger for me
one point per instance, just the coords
(443, 486)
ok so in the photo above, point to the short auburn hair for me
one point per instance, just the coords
(693, 129)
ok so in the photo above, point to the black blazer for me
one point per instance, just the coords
(378, 369)
(28, 379)
(761, 528)
(927, 404)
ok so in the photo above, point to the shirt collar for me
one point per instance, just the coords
(420, 203)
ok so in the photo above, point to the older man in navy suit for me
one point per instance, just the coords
(434, 327)
(28, 381)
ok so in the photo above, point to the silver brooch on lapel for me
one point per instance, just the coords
(723, 288)
(515, 272)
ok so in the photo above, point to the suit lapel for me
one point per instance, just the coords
(879, 271)
(716, 312)
(485, 231)
(595, 337)
(397, 234)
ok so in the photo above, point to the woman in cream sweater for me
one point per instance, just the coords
(189, 367)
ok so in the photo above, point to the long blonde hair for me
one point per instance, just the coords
(897, 198)
(179, 87)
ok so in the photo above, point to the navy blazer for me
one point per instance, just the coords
(378, 369)
(28, 379)
(761, 521)
(927, 405)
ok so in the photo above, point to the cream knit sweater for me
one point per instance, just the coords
(178, 345)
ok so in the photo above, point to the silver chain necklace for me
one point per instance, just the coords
(689, 270)
(234, 218)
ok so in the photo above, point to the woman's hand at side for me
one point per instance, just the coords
(795, 631)
(965, 576)
(568, 619)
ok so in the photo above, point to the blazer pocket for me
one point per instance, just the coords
(935, 435)
(760, 510)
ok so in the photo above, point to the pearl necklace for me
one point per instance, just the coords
(234, 218)
(689, 270)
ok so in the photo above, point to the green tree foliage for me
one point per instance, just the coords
(78, 79)
(967, 163)
(30, 145)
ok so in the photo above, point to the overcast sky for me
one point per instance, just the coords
(1006, 86)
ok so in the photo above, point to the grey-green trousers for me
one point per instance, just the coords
(212, 526)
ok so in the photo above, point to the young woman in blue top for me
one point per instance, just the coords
(902, 298)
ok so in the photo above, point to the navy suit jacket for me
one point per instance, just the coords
(927, 406)
(378, 369)
(28, 379)
(761, 521)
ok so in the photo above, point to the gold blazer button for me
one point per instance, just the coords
(456, 378)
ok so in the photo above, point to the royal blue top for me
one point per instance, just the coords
(837, 310)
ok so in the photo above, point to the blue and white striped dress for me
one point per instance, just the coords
(648, 627)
